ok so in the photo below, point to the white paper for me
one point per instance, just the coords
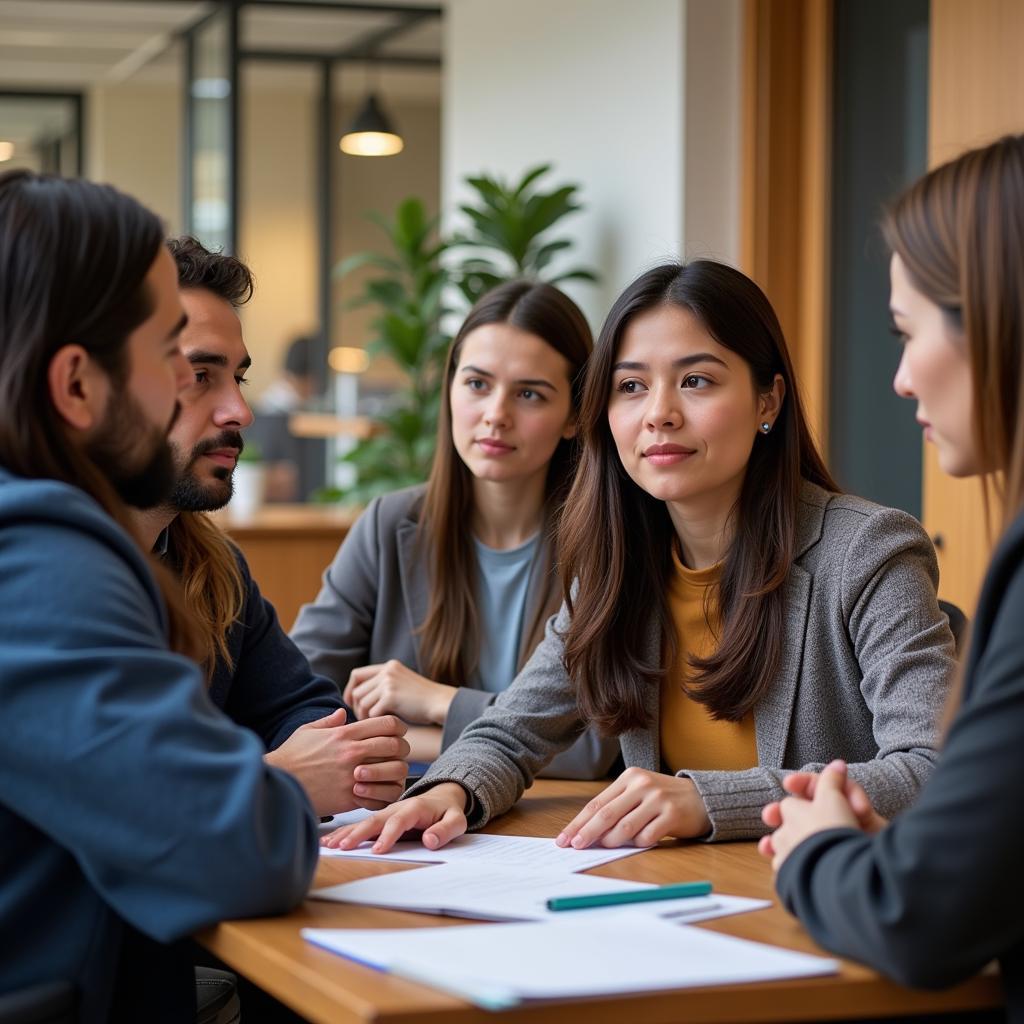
(570, 958)
(488, 893)
(517, 852)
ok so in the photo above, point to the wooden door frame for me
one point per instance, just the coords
(785, 184)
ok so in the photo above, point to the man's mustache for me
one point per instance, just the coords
(225, 439)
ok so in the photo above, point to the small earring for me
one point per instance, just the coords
(766, 428)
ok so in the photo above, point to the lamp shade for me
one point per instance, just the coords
(371, 133)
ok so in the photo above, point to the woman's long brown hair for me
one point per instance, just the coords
(617, 587)
(73, 259)
(959, 231)
(450, 631)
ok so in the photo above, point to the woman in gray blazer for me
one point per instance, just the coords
(728, 614)
(439, 594)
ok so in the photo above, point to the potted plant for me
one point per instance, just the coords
(508, 236)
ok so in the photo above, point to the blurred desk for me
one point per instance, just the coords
(329, 989)
(288, 547)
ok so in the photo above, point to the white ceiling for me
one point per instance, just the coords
(73, 44)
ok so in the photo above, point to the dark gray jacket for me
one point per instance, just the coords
(938, 894)
(867, 664)
(375, 595)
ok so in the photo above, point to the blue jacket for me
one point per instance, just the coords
(132, 811)
(937, 894)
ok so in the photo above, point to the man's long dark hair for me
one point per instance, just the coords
(73, 262)
(617, 587)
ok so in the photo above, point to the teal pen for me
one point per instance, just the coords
(611, 899)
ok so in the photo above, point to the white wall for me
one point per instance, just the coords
(595, 86)
(714, 55)
(133, 142)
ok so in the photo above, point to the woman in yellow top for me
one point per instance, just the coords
(729, 615)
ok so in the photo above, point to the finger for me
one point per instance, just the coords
(451, 825)
(350, 836)
(375, 749)
(356, 678)
(832, 781)
(765, 847)
(382, 704)
(382, 771)
(800, 784)
(379, 794)
(355, 697)
(604, 820)
(651, 834)
(591, 808)
(406, 818)
(626, 832)
(771, 815)
(386, 725)
(330, 721)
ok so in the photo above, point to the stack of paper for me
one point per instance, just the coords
(507, 964)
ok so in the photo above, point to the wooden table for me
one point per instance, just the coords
(327, 988)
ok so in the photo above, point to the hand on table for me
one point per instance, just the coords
(439, 813)
(346, 766)
(817, 803)
(394, 689)
(639, 808)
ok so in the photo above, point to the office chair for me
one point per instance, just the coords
(957, 623)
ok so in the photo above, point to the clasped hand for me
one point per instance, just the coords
(346, 766)
(816, 803)
(393, 689)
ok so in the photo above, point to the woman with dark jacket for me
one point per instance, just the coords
(934, 896)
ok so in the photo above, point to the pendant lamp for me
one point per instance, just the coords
(371, 133)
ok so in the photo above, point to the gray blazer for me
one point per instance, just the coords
(867, 665)
(374, 596)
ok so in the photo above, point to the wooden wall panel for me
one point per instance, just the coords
(976, 94)
(786, 171)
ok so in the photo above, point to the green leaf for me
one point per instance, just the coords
(540, 258)
(577, 274)
(366, 259)
(530, 177)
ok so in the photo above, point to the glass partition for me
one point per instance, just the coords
(41, 132)
(211, 104)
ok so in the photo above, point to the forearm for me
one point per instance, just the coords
(424, 742)
(734, 800)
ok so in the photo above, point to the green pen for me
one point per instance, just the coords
(611, 899)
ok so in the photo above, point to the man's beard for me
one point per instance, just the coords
(189, 494)
(133, 454)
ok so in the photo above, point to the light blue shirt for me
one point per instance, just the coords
(502, 584)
